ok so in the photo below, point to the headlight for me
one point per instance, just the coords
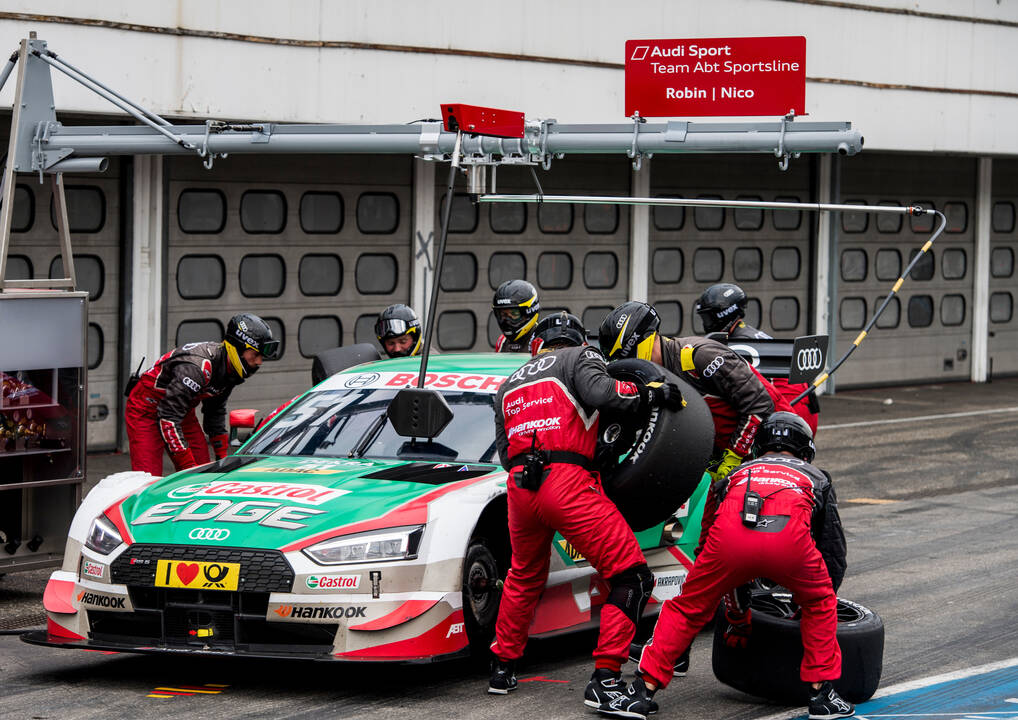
(103, 536)
(399, 543)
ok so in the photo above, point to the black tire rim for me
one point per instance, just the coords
(481, 587)
(780, 604)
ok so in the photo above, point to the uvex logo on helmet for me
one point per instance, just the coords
(727, 311)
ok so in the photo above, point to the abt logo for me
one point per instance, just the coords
(454, 629)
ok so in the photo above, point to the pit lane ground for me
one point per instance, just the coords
(929, 501)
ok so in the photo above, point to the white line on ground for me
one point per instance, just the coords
(914, 685)
(920, 418)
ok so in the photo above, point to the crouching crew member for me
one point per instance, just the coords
(398, 330)
(546, 423)
(722, 308)
(515, 307)
(778, 519)
(160, 408)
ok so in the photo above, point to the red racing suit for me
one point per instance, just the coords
(552, 403)
(808, 408)
(799, 515)
(505, 345)
(160, 411)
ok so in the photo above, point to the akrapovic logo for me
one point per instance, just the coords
(103, 601)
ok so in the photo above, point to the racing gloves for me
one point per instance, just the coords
(738, 628)
(729, 461)
(183, 459)
(220, 445)
(666, 395)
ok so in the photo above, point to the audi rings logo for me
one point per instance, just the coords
(809, 359)
(209, 534)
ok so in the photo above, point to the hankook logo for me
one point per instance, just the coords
(209, 534)
(809, 359)
(361, 380)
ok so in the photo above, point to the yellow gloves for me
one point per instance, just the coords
(729, 461)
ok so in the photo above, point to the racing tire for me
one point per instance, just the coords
(665, 451)
(769, 666)
(328, 363)
(482, 593)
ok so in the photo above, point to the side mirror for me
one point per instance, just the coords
(245, 419)
(419, 413)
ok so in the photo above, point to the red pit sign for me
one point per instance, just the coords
(716, 77)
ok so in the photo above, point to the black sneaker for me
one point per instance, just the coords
(826, 704)
(503, 677)
(681, 665)
(609, 694)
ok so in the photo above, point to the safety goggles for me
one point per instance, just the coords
(269, 349)
(513, 314)
(392, 327)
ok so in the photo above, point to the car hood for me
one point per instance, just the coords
(276, 502)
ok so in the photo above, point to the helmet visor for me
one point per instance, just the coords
(391, 327)
(270, 349)
(509, 314)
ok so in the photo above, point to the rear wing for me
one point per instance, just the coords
(800, 360)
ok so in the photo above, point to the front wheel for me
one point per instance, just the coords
(482, 593)
(769, 666)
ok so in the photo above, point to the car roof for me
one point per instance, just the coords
(499, 365)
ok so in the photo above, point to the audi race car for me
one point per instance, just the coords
(330, 536)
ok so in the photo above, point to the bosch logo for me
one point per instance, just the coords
(714, 366)
(361, 380)
(809, 359)
(209, 534)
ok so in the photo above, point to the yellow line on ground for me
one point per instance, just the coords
(871, 501)
(154, 695)
(215, 685)
(190, 690)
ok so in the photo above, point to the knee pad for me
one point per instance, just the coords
(630, 590)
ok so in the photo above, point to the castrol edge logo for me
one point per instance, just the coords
(291, 492)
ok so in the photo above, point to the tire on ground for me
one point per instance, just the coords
(328, 363)
(769, 666)
(665, 451)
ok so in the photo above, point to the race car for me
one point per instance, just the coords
(328, 535)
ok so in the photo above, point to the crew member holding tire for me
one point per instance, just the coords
(546, 425)
(398, 330)
(722, 308)
(778, 519)
(160, 408)
(516, 310)
(738, 396)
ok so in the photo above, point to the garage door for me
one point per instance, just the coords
(926, 333)
(577, 256)
(93, 209)
(313, 245)
(768, 254)
(1003, 323)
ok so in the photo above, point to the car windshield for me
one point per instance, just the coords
(352, 423)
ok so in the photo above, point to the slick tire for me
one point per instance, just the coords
(328, 363)
(665, 451)
(482, 593)
(769, 666)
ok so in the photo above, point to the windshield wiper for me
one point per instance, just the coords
(362, 445)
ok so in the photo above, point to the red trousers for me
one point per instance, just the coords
(733, 555)
(146, 442)
(572, 502)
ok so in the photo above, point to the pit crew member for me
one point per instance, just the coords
(160, 408)
(546, 421)
(516, 310)
(722, 308)
(778, 519)
(398, 330)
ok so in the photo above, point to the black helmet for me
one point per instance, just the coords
(628, 331)
(785, 431)
(247, 331)
(720, 306)
(562, 328)
(397, 320)
(515, 306)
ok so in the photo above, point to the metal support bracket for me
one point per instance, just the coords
(780, 152)
(634, 151)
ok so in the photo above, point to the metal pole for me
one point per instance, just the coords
(6, 72)
(436, 279)
(7, 210)
(64, 230)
